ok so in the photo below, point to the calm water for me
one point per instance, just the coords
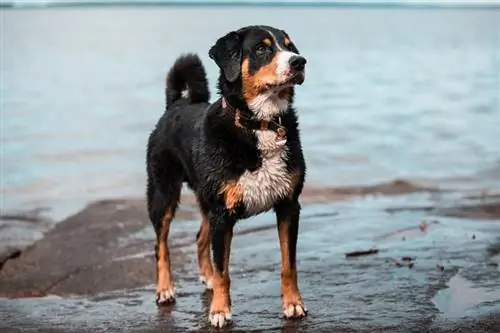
(389, 93)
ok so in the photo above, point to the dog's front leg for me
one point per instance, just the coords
(222, 233)
(287, 213)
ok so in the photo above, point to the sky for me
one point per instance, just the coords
(41, 2)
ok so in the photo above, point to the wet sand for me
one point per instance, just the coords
(94, 271)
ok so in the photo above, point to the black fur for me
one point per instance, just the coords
(197, 143)
(188, 74)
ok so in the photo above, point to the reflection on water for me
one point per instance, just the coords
(389, 94)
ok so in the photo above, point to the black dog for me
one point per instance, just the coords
(241, 156)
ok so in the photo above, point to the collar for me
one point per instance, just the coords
(252, 123)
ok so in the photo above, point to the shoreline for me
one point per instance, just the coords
(477, 206)
(102, 258)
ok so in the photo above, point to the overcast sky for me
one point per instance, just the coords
(257, 1)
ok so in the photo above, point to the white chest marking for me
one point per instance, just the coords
(268, 105)
(263, 187)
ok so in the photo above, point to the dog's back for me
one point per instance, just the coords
(187, 96)
(170, 142)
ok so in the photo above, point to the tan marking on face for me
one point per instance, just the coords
(267, 41)
(233, 194)
(203, 247)
(287, 41)
(255, 84)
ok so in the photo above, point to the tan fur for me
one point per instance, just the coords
(233, 194)
(164, 281)
(255, 84)
(203, 247)
(289, 289)
(221, 299)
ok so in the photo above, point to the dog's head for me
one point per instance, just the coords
(265, 63)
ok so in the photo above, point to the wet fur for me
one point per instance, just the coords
(235, 173)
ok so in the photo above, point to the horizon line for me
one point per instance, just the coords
(247, 3)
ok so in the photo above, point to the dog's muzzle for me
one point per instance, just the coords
(297, 66)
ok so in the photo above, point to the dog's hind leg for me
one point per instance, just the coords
(203, 245)
(162, 205)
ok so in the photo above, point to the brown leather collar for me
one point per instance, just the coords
(250, 123)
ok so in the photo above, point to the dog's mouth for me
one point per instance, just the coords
(296, 79)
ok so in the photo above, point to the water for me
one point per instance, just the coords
(389, 93)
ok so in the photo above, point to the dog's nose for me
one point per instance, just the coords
(297, 63)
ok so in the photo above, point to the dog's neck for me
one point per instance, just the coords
(250, 122)
(266, 106)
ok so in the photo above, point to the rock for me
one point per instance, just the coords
(78, 256)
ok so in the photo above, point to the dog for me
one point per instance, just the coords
(241, 156)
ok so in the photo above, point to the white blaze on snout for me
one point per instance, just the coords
(283, 64)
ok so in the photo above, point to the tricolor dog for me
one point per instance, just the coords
(241, 156)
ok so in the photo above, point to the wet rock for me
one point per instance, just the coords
(490, 211)
(20, 229)
(78, 255)
(481, 210)
(32, 216)
(101, 262)
(314, 194)
(361, 253)
(7, 254)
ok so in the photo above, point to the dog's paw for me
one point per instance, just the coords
(208, 282)
(294, 310)
(220, 319)
(165, 297)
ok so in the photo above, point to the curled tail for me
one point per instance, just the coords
(187, 79)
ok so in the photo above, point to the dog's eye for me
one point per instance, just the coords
(261, 50)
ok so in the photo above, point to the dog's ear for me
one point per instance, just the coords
(227, 55)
